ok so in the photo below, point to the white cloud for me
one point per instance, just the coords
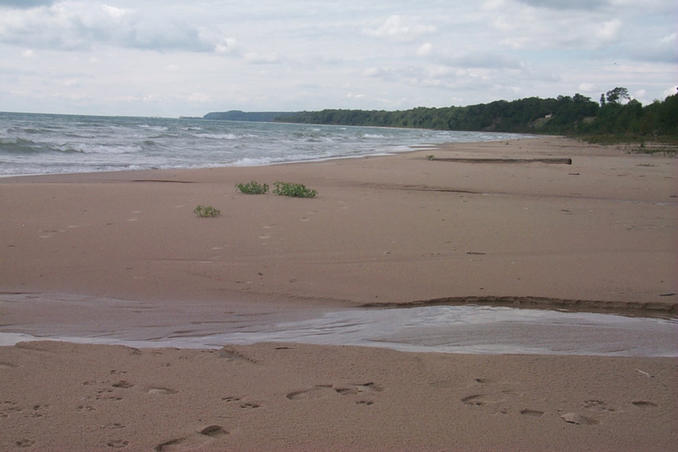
(77, 25)
(258, 58)
(567, 4)
(226, 46)
(492, 5)
(28, 53)
(198, 97)
(397, 27)
(670, 91)
(424, 49)
(609, 29)
(115, 13)
(483, 60)
(640, 95)
(668, 39)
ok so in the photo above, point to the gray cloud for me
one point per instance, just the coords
(265, 55)
(24, 4)
(662, 51)
(483, 60)
(567, 4)
(79, 26)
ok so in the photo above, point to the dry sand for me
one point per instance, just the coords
(597, 234)
(62, 396)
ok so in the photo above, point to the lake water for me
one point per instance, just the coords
(49, 144)
(447, 329)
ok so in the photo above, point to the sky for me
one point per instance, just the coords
(186, 58)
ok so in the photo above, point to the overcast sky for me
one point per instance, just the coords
(171, 57)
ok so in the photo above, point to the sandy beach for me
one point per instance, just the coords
(598, 234)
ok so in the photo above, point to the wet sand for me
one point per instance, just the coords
(598, 234)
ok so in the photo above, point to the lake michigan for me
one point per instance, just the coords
(54, 144)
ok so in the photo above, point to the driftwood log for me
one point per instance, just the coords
(560, 161)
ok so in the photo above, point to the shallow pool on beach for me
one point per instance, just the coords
(447, 329)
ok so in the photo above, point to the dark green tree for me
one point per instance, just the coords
(615, 96)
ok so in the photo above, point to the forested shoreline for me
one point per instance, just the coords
(615, 114)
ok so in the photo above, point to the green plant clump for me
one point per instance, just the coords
(253, 188)
(294, 190)
(206, 211)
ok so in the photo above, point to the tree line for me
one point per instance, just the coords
(616, 113)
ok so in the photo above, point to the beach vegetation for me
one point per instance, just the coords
(206, 211)
(252, 188)
(293, 190)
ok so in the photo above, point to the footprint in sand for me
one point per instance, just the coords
(365, 402)
(234, 355)
(39, 410)
(117, 443)
(357, 388)
(597, 405)
(114, 426)
(529, 412)
(194, 441)
(643, 403)
(474, 400)
(25, 442)
(577, 419)
(161, 391)
(496, 398)
(321, 391)
(249, 405)
(316, 392)
(7, 407)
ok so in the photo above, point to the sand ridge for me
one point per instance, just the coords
(383, 230)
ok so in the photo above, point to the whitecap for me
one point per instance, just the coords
(217, 136)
